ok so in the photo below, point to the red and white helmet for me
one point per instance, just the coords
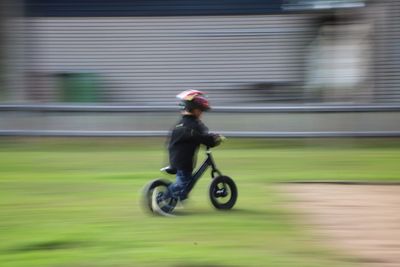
(193, 99)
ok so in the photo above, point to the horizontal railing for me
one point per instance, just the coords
(223, 109)
(250, 134)
(22, 125)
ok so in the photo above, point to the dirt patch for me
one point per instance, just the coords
(360, 220)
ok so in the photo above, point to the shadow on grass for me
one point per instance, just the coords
(48, 245)
(213, 211)
(201, 265)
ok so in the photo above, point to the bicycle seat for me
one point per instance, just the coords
(169, 170)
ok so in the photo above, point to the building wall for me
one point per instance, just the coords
(386, 41)
(150, 59)
(247, 52)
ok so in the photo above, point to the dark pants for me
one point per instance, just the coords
(179, 188)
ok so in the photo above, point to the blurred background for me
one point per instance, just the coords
(276, 68)
(98, 65)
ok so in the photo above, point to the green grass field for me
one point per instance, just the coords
(74, 202)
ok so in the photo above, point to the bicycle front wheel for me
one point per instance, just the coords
(223, 193)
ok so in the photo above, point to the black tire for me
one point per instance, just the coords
(223, 193)
(147, 194)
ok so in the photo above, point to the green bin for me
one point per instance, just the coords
(79, 87)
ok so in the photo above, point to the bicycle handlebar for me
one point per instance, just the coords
(223, 138)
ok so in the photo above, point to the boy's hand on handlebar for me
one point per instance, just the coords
(219, 138)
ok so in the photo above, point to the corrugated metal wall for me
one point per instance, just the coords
(149, 59)
(386, 38)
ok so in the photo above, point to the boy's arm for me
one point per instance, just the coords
(206, 139)
(193, 135)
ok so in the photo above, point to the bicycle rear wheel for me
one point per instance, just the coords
(148, 193)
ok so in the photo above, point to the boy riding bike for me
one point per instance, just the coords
(185, 139)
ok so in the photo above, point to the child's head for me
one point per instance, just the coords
(194, 102)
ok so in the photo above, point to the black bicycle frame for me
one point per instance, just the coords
(208, 162)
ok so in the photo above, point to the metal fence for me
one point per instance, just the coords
(271, 121)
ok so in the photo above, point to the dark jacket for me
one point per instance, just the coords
(185, 139)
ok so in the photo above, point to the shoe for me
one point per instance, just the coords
(160, 205)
